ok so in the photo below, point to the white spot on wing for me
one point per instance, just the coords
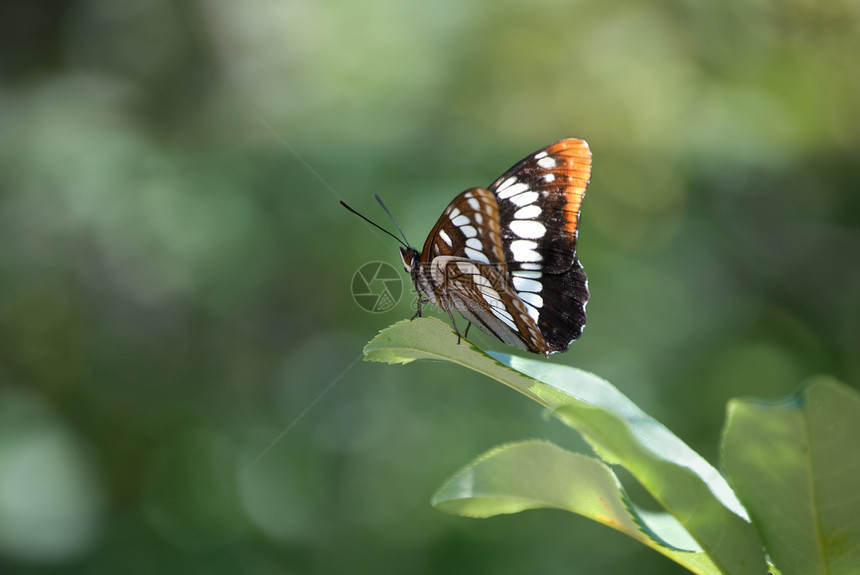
(445, 237)
(454, 213)
(524, 199)
(549, 177)
(468, 231)
(530, 266)
(528, 212)
(523, 245)
(460, 220)
(474, 204)
(476, 255)
(546, 162)
(512, 190)
(528, 274)
(532, 299)
(525, 285)
(528, 228)
(541, 155)
(475, 243)
(524, 251)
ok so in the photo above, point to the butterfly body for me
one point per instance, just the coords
(505, 256)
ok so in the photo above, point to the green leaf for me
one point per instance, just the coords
(679, 479)
(796, 466)
(537, 474)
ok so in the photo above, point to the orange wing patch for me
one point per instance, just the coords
(572, 165)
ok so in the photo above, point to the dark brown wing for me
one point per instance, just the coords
(539, 201)
(468, 228)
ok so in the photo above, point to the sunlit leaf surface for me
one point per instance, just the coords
(684, 483)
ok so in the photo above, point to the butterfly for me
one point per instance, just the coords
(505, 256)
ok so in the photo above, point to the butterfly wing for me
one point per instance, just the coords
(539, 201)
(482, 294)
(464, 261)
(470, 227)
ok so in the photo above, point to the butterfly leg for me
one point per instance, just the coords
(421, 300)
(466, 333)
(453, 323)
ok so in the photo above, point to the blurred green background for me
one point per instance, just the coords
(175, 268)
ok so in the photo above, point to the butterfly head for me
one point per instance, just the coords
(409, 257)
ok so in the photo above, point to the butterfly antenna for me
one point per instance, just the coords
(378, 199)
(344, 204)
